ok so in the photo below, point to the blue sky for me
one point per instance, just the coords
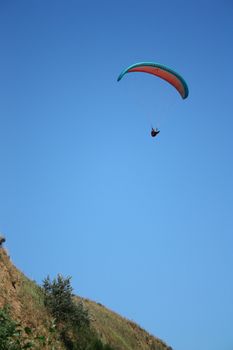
(142, 225)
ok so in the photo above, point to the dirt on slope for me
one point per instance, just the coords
(23, 296)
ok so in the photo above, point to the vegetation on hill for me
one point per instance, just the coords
(72, 318)
(50, 317)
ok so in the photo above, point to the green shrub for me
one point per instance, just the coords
(72, 318)
(8, 329)
(12, 335)
(58, 298)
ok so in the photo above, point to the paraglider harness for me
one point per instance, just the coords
(154, 132)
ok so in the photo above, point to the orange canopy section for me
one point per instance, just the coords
(162, 72)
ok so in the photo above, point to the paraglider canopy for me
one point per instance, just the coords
(160, 71)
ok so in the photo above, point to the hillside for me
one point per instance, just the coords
(26, 302)
(124, 334)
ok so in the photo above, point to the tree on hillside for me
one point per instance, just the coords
(59, 300)
(71, 317)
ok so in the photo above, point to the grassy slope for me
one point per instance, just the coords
(24, 298)
(26, 301)
(120, 332)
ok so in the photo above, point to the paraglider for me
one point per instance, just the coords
(162, 72)
(154, 132)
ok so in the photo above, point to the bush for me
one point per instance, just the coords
(72, 318)
(13, 336)
(59, 300)
(8, 330)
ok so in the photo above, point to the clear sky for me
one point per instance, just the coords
(144, 226)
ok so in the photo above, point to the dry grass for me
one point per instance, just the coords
(119, 332)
